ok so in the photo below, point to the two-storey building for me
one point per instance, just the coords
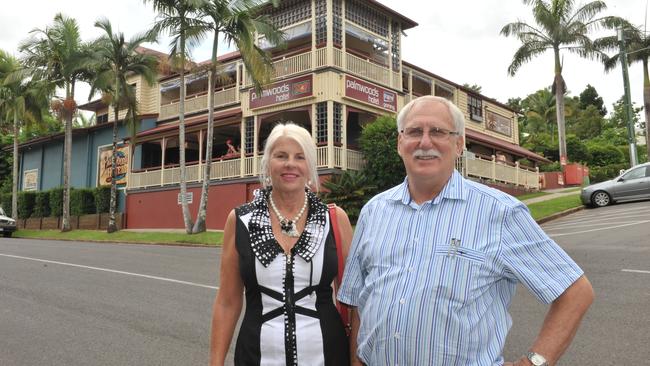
(341, 68)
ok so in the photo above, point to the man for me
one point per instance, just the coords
(435, 261)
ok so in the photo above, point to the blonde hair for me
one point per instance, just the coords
(301, 136)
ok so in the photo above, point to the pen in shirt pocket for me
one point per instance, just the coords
(454, 244)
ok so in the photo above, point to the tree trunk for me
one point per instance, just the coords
(14, 183)
(187, 218)
(559, 88)
(67, 161)
(111, 216)
(199, 225)
(646, 106)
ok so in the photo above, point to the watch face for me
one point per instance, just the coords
(537, 359)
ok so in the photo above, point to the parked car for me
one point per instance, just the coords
(631, 185)
(7, 224)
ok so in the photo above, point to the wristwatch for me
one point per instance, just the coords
(536, 359)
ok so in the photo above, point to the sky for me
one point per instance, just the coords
(458, 40)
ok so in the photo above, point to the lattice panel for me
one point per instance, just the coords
(290, 12)
(321, 122)
(367, 17)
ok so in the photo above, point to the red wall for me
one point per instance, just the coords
(160, 210)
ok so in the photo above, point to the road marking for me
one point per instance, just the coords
(599, 229)
(111, 271)
(635, 271)
(593, 222)
(600, 218)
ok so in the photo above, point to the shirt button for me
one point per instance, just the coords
(397, 335)
(402, 301)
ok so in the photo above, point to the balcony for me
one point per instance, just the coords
(199, 102)
(236, 168)
(476, 166)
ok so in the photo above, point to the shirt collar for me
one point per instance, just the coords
(453, 190)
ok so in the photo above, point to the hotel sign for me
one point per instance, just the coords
(105, 164)
(498, 123)
(282, 92)
(370, 94)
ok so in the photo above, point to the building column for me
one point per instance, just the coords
(344, 136)
(256, 137)
(242, 145)
(330, 34)
(163, 145)
(201, 156)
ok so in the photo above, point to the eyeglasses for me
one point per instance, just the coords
(435, 133)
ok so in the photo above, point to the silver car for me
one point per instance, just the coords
(7, 224)
(632, 184)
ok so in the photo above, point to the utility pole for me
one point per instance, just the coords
(627, 99)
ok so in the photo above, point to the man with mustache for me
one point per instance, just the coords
(435, 261)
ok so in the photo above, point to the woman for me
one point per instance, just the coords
(281, 249)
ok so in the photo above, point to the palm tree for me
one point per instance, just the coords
(178, 18)
(559, 26)
(637, 45)
(117, 60)
(237, 21)
(57, 54)
(24, 100)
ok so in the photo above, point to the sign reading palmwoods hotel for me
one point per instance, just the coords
(282, 92)
(105, 164)
(370, 94)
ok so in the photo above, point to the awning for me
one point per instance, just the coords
(495, 143)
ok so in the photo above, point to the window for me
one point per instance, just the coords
(249, 135)
(635, 174)
(321, 123)
(338, 123)
(475, 108)
(102, 118)
(444, 92)
(321, 22)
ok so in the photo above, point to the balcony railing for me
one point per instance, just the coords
(199, 102)
(495, 171)
(469, 165)
(231, 168)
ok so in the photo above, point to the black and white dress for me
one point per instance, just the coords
(290, 316)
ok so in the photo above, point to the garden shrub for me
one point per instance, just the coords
(82, 202)
(26, 204)
(102, 198)
(56, 202)
(42, 204)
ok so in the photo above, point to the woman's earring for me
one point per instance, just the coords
(267, 181)
(308, 183)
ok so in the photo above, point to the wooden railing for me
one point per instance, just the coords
(199, 102)
(491, 169)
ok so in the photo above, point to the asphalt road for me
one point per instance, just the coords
(67, 303)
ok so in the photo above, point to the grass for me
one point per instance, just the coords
(546, 208)
(207, 238)
(528, 196)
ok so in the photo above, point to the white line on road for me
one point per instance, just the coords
(599, 218)
(635, 271)
(111, 271)
(599, 229)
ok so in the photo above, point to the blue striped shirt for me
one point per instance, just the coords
(433, 282)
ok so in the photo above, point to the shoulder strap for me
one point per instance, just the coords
(342, 308)
(337, 240)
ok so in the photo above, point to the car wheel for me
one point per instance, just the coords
(601, 199)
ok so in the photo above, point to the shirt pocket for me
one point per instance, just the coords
(456, 274)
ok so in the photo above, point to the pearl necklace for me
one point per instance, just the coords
(288, 226)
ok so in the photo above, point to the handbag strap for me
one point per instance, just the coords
(337, 240)
(343, 309)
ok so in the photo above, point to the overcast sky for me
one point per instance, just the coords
(458, 40)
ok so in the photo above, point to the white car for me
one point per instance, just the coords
(7, 224)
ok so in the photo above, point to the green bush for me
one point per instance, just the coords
(82, 202)
(26, 202)
(603, 173)
(603, 155)
(551, 167)
(56, 202)
(5, 203)
(349, 190)
(42, 204)
(384, 168)
(102, 198)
